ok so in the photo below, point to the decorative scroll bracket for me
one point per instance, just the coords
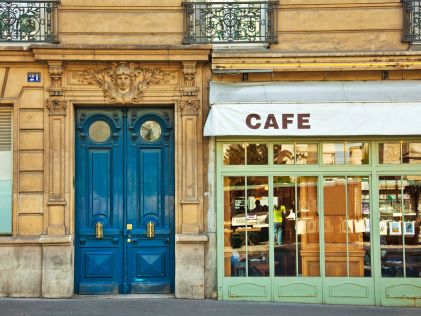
(56, 69)
(189, 72)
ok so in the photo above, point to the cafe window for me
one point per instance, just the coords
(246, 237)
(295, 153)
(241, 154)
(293, 215)
(400, 220)
(345, 153)
(400, 152)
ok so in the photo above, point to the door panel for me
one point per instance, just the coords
(124, 180)
(151, 192)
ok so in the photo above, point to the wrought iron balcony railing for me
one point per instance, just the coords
(28, 21)
(411, 20)
(230, 22)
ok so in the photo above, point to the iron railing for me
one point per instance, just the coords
(411, 20)
(28, 21)
(230, 22)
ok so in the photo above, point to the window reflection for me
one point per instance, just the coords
(306, 154)
(257, 226)
(400, 218)
(411, 220)
(257, 154)
(390, 153)
(246, 226)
(234, 154)
(300, 154)
(411, 153)
(357, 153)
(283, 154)
(308, 227)
(234, 216)
(334, 154)
(284, 226)
(296, 226)
(347, 226)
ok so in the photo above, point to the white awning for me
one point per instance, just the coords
(315, 109)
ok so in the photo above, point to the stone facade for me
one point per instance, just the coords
(103, 38)
(40, 252)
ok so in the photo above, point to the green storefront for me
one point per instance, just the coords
(326, 213)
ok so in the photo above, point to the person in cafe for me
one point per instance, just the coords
(279, 213)
(258, 208)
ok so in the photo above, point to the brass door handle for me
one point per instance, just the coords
(99, 230)
(150, 229)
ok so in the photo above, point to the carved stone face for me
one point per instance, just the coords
(123, 83)
(123, 79)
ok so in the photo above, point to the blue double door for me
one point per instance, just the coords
(124, 194)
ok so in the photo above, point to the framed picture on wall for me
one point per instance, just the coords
(409, 228)
(395, 228)
(383, 228)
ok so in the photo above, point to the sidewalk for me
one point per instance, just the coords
(128, 306)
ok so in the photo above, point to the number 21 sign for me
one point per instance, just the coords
(33, 77)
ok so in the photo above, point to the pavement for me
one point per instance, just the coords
(141, 306)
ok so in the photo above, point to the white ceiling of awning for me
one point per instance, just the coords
(316, 91)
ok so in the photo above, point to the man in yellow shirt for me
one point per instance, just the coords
(278, 214)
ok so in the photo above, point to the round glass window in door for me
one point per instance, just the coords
(150, 131)
(99, 131)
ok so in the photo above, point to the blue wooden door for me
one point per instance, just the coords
(124, 201)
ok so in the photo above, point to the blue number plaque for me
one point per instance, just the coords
(33, 77)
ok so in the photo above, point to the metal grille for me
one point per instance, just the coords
(230, 22)
(5, 129)
(412, 20)
(28, 21)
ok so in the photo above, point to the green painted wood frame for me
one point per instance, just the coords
(374, 290)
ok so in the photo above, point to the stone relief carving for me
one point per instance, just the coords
(57, 107)
(56, 72)
(190, 107)
(189, 72)
(123, 82)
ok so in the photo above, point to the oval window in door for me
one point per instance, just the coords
(150, 131)
(99, 131)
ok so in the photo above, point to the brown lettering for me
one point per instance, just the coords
(303, 121)
(286, 119)
(271, 122)
(250, 124)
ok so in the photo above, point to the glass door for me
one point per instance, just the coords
(347, 240)
(400, 237)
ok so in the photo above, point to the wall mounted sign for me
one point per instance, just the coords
(318, 119)
(33, 77)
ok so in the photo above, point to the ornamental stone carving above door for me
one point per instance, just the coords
(123, 82)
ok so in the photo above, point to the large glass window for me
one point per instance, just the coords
(400, 152)
(349, 153)
(400, 219)
(246, 237)
(283, 198)
(347, 226)
(298, 153)
(5, 170)
(296, 226)
(250, 154)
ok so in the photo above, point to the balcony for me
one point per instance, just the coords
(230, 22)
(28, 21)
(411, 21)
